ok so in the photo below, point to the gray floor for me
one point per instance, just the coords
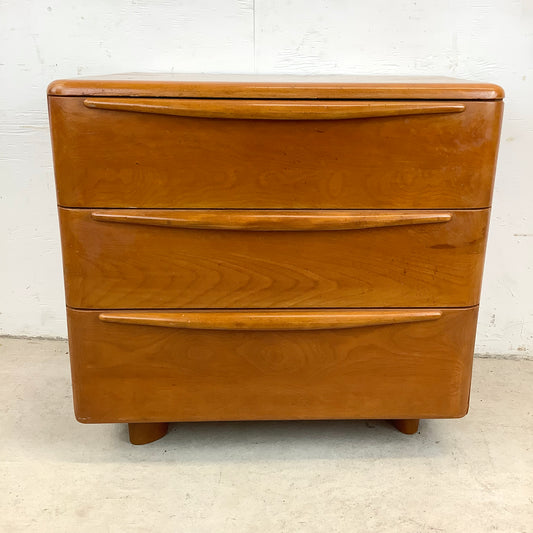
(56, 475)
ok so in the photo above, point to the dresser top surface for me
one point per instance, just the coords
(174, 85)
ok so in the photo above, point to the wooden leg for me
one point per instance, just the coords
(407, 426)
(146, 432)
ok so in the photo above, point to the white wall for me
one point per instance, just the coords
(487, 40)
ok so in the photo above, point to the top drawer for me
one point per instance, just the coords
(216, 153)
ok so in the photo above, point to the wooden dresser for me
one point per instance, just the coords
(255, 248)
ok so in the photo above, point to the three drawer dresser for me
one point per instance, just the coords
(261, 248)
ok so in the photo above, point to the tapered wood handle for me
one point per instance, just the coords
(271, 220)
(272, 109)
(269, 320)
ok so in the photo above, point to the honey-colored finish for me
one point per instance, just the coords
(248, 247)
(435, 262)
(147, 432)
(271, 220)
(407, 426)
(277, 86)
(281, 320)
(138, 373)
(271, 109)
(110, 158)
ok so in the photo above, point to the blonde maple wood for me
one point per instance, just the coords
(140, 373)
(107, 158)
(116, 265)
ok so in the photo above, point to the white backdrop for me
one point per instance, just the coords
(486, 40)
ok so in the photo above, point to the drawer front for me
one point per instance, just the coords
(136, 366)
(112, 152)
(262, 259)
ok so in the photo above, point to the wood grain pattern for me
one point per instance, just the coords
(249, 248)
(271, 220)
(109, 265)
(269, 320)
(277, 86)
(271, 109)
(108, 158)
(135, 373)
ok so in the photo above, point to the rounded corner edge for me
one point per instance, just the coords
(56, 88)
(463, 411)
(82, 419)
(497, 91)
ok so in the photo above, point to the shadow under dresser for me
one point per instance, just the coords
(272, 248)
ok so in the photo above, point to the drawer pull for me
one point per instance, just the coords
(271, 109)
(271, 220)
(269, 320)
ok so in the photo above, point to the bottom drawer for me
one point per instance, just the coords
(141, 366)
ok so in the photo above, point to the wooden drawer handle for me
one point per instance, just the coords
(268, 320)
(272, 109)
(242, 220)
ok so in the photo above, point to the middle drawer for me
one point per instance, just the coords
(197, 258)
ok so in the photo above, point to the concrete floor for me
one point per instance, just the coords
(56, 475)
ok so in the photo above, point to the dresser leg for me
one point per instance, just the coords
(146, 432)
(405, 425)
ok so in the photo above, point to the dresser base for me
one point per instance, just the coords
(147, 432)
(407, 426)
